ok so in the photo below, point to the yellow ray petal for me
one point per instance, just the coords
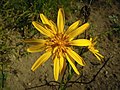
(56, 68)
(53, 26)
(40, 28)
(94, 39)
(78, 31)
(91, 39)
(55, 50)
(97, 56)
(60, 20)
(75, 56)
(35, 41)
(96, 51)
(50, 23)
(44, 19)
(72, 64)
(100, 55)
(80, 42)
(61, 62)
(73, 26)
(36, 48)
(41, 60)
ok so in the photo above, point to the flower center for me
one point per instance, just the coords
(59, 40)
(58, 43)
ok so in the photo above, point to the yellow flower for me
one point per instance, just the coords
(58, 43)
(93, 50)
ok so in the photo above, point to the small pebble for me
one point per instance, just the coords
(29, 84)
(106, 72)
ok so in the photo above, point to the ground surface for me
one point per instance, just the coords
(105, 24)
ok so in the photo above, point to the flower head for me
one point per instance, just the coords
(93, 50)
(58, 43)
